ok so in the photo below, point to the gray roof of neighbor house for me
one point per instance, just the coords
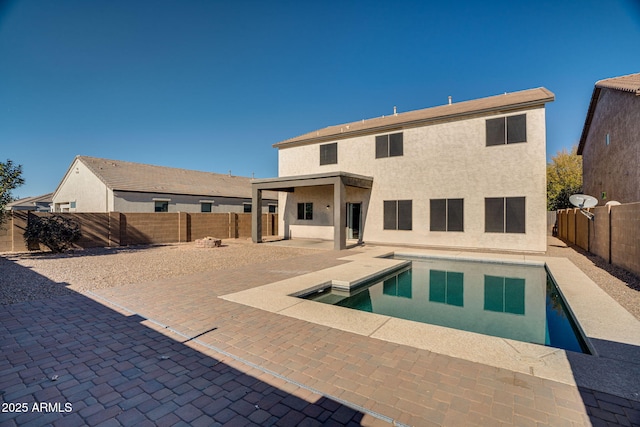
(139, 177)
(629, 83)
(30, 202)
(458, 110)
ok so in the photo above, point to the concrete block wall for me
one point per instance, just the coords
(613, 235)
(625, 236)
(121, 229)
(599, 237)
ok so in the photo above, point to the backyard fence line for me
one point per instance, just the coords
(613, 235)
(122, 229)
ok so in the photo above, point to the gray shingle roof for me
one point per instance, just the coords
(508, 101)
(139, 177)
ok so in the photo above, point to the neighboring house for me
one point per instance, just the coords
(468, 175)
(101, 185)
(37, 203)
(610, 141)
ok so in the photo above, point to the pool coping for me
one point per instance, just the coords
(612, 333)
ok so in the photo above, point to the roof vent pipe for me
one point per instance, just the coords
(449, 99)
(395, 111)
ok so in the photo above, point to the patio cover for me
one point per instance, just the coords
(339, 180)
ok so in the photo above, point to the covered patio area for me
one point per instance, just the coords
(339, 181)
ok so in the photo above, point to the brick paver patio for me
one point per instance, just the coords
(173, 353)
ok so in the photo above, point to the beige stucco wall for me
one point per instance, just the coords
(613, 168)
(446, 160)
(80, 185)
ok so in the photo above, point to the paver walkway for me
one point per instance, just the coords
(204, 360)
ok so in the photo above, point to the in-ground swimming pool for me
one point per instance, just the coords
(515, 301)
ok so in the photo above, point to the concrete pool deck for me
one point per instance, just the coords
(612, 334)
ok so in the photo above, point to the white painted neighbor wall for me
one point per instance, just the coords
(80, 185)
(445, 160)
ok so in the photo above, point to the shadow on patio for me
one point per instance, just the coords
(89, 364)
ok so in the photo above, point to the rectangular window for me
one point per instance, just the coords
(504, 294)
(205, 207)
(504, 215)
(246, 207)
(72, 205)
(446, 215)
(305, 211)
(161, 206)
(389, 145)
(329, 154)
(397, 215)
(273, 209)
(506, 130)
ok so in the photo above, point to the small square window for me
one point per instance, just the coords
(446, 215)
(273, 209)
(246, 207)
(329, 154)
(205, 207)
(397, 215)
(504, 215)
(161, 206)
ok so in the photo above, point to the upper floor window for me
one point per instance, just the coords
(504, 215)
(329, 154)
(398, 215)
(389, 145)
(507, 130)
(446, 215)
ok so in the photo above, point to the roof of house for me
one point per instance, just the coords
(139, 177)
(506, 102)
(629, 83)
(30, 202)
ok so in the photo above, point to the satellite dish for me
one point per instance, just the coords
(583, 201)
(612, 203)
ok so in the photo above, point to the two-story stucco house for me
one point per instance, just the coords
(610, 141)
(468, 175)
(101, 185)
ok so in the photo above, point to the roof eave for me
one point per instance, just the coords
(415, 123)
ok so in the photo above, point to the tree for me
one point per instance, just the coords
(55, 232)
(10, 178)
(564, 178)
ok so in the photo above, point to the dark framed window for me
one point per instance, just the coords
(161, 206)
(273, 209)
(389, 145)
(305, 211)
(205, 207)
(246, 207)
(329, 154)
(397, 215)
(506, 130)
(504, 215)
(446, 215)
(504, 294)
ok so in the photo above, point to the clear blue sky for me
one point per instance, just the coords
(211, 85)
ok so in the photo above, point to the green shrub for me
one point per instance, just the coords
(55, 232)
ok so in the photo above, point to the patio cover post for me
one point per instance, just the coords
(339, 215)
(256, 214)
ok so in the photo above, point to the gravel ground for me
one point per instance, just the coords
(30, 276)
(25, 277)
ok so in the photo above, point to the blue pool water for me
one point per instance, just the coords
(519, 302)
